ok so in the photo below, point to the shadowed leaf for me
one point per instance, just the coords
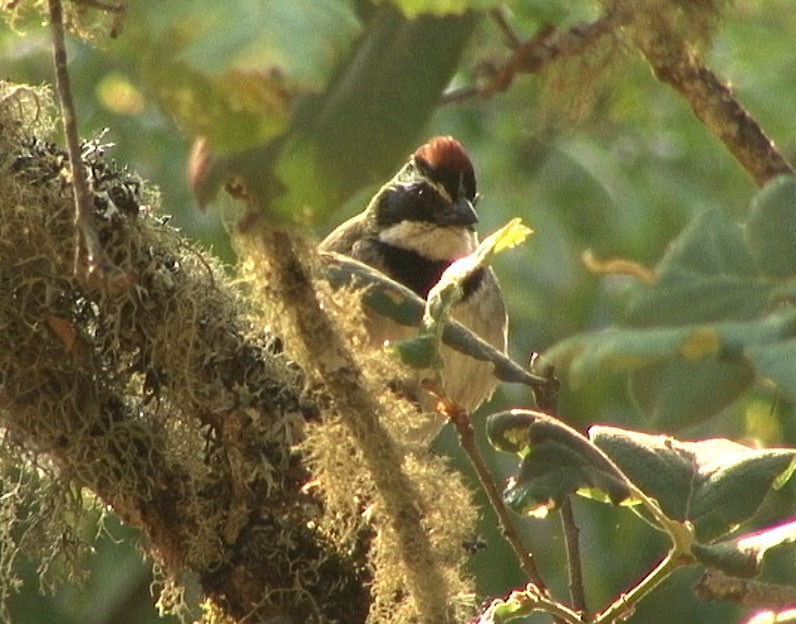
(556, 461)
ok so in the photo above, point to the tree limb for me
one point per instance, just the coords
(712, 101)
(161, 397)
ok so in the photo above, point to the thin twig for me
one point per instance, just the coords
(533, 56)
(397, 302)
(461, 421)
(87, 245)
(525, 602)
(623, 606)
(512, 40)
(572, 541)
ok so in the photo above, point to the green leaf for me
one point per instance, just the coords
(715, 484)
(420, 352)
(708, 274)
(771, 229)
(230, 71)
(743, 556)
(588, 355)
(299, 101)
(708, 328)
(680, 393)
(372, 114)
(556, 461)
(775, 363)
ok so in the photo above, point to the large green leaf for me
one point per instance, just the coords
(715, 484)
(719, 316)
(679, 392)
(302, 136)
(743, 555)
(373, 113)
(776, 363)
(585, 356)
(771, 228)
(708, 274)
(230, 71)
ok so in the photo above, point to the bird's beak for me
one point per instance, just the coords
(461, 213)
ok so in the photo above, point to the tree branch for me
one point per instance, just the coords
(393, 300)
(161, 398)
(464, 428)
(572, 541)
(535, 55)
(711, 100)
(362, 415)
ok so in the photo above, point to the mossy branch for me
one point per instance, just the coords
(160, 395)
(362, 414)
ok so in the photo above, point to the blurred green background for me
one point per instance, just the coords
(592, 154)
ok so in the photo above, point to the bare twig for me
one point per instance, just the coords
(711, 100)
(525, 602)
(461, 421)
(623, 606)
(572, 541)
(535, 55)
(88, 252)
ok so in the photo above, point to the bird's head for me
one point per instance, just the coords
(428, 207)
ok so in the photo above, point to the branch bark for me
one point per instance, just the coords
(674, 62)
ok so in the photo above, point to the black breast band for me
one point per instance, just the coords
(419, 273)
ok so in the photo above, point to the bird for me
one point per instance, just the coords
(415, 227)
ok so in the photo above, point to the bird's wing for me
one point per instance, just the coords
(343, 238)
(351, 239)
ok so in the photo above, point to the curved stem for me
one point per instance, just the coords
(626, 603)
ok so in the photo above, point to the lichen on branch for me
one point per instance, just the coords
(160, 397)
